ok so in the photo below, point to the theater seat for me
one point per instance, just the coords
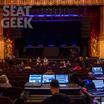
(13, 92)
(5, 100)
(78, 101)
(1, 91)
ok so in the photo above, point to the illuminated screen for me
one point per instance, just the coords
(97, 70)
(98, 83)
(62, 78)
(102, 100)
(35, 78)
(48, 78)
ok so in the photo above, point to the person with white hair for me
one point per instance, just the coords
(4, 82)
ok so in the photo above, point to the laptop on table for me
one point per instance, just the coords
(99, 86)
(97, 71)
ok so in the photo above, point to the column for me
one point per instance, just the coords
(2, 43)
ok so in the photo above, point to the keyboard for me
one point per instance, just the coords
(98, 93)
(63, 85)
(32, 85)
(46, 85)
(101, 77)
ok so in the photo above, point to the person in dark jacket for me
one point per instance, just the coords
(57, 97)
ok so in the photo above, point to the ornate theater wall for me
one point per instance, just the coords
(2, 43)
(101, 36)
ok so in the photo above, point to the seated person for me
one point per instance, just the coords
(49, 72)
(77, 67)
(45, 61)
(38, 61)
(62, 64)
(91, 76)
(57, 97)
(4, 82)
(74, 80)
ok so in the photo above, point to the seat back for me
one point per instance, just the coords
(2, 91)
(78, 101)
(13, 92)
(5, 100)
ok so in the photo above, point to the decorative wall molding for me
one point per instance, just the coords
(51, 2)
